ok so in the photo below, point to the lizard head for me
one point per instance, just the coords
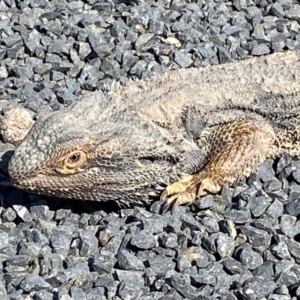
(51, 152)
(81, 157)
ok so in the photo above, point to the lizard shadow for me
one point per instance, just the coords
(14, 196)
(4, 160)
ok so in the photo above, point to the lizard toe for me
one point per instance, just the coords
(177, 187)
(208, 184)
(189, 188)
(178, 199)
(178, 193)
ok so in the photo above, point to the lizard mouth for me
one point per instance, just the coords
(22, 184)
(39, 185)
(75, 186)
(41, 190)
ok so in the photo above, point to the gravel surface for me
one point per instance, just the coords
(242, 244)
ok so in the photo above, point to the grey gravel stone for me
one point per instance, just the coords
(89, 243)
(293, 207)
(22, 212)
(266, 271)
(287, 278)
(44, 295)
(11, 40)
(250, 258)
(77, 293)
(294, 192)
(9, 215)
(272, 185)
(96, 293)
(284, 165)
(259, 205)
(198, 256)
(182, 59)
(169, 240)
(287, 221)
(277, 10)
(257, 288)
(279, 297)
(129, 291)
(3, 73)
(42, 69)
(224, 55)
(34, 283)
(294, 248)
(283, 266)
(239, 216)
(275, 210)
(210, 224)
(278, 42)
(75, 5)
(182, 284)
(225, 245)
(296, 175)
(3, 238)
(160, 264)
(281, 250)
(61, 240)
(236, 245)
(259, 239)
(234, 266)
(142, 40)
(293, 12)
(200, 279)
(205, 202)
(265, 172)
(144, 241)
(129, 261)
(104, 263)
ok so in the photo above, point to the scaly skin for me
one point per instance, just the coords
(210, 126)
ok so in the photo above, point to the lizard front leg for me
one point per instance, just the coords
(235, 150)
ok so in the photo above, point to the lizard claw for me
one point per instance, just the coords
(175, 200)
(177, 187)
(188, 189)
(180, 192)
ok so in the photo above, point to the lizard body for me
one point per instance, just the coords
(207, 126)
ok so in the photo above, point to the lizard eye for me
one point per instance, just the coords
(75, 159)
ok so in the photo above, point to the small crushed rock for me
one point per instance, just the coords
(242, 244)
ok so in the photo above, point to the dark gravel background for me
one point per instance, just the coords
(242, 244)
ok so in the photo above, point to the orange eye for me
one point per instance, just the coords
(75, 159)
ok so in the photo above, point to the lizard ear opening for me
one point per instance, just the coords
(75, 159)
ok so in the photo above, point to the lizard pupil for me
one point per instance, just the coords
(74, 157)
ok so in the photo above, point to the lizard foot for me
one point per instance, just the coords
(240, 146)
(189, 188)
